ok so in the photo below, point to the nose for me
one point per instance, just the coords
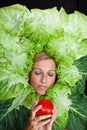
(44, 78)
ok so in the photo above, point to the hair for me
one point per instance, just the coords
(42, 56)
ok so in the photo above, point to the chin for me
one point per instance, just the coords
(41, 93)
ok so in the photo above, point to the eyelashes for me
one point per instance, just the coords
(50, 74)
(37, 72)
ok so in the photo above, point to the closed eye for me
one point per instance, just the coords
(51, 74)
(37, 72)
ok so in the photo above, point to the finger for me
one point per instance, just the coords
(34, 104)
(34, 109)
(43, 122)
(54, 111)
(43, 117)
(54, 115)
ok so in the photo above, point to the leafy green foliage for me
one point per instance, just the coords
(24, 33)
(78, 110)
(14, 120)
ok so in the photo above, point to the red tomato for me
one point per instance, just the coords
(47, 107)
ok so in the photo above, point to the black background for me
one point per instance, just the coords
(69, 5)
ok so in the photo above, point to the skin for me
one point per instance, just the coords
(43, 75)
(41, 122)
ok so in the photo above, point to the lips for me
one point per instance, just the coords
(42, 86)
(41, 89)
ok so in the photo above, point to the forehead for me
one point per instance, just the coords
(45, 64)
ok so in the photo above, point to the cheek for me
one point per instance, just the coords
(51, 81)
(33, 81)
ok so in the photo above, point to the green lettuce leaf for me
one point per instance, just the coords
(12, 19)
(25, 33)
(78, 108)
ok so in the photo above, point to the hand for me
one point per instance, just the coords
(53, 118)
(35, 123)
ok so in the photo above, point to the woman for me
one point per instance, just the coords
(42, 76)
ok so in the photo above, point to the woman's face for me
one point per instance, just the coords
(43, 75)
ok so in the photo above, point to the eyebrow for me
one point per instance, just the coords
(41, 69)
